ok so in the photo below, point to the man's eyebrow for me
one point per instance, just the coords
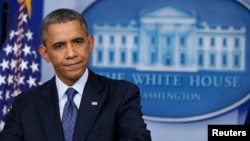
(58, 43)
(78, 38)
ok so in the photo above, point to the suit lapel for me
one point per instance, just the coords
(48, 106)
(90, 106)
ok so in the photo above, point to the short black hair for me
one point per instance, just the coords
(60, 16)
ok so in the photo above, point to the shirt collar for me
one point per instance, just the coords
(78, 86)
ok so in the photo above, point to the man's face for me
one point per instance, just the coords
(67, 47)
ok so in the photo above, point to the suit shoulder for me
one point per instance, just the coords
(116, 82)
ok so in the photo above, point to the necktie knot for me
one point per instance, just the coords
(71, 92)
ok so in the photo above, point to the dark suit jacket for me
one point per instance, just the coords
(116, 117)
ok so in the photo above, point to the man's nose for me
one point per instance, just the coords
(70, 50)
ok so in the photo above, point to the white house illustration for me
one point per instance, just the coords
(169, 39)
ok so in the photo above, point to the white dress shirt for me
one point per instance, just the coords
(78, 86)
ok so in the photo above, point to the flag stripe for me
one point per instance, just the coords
(19, 45)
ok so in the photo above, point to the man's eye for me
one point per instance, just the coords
(78, 41)
(58, 46)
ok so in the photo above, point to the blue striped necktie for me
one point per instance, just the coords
(69, 115)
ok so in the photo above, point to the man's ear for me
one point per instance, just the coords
(43, 52)
(91, 42)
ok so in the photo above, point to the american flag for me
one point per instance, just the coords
(19, 61)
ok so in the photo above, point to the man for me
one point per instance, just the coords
(107, 109)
